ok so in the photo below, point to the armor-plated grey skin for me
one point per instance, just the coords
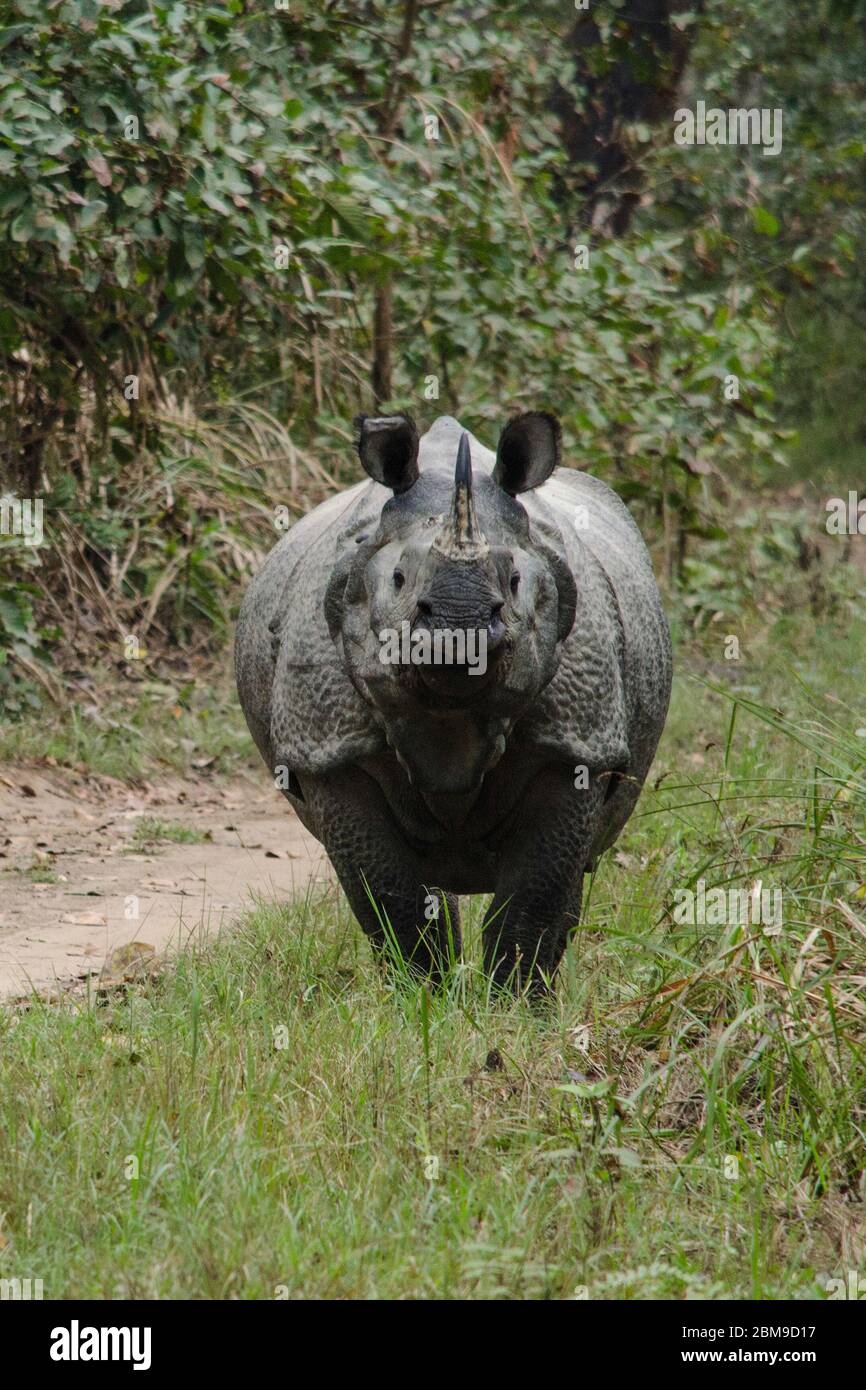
(429, 780)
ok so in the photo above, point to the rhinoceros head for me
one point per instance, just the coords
(452, 604)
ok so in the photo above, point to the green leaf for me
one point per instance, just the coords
(764, 221)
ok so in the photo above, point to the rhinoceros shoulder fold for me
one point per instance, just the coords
(614, 672)
(302, 708)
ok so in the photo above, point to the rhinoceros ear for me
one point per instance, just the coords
(388, 449)
(528, 451)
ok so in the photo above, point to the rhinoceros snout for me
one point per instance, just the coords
(481, 628)
(461, 597)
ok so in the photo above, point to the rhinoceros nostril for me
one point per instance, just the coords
(497, 608)
(425, 608)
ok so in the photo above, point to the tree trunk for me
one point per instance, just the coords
(638, 87)
(383, 332)
(388, 117)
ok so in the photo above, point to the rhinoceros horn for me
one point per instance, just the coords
(460, 537)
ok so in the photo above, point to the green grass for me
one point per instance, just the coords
(141, 730)
(151, 830)
(686, 1119)
(40, 873)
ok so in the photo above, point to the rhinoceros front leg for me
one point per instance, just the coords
(380, 874)
(539, 889)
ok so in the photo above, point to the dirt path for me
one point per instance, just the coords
(113, 900)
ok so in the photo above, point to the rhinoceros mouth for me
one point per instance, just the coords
(455, 666)
(459, 686)
(454, 684)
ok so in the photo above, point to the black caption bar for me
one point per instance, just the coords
(61, 1339)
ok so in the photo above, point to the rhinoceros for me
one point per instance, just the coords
(458, 671)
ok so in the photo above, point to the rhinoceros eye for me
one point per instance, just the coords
(399, 579)
(515, 583)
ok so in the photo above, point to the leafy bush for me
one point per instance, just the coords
(228, 227)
